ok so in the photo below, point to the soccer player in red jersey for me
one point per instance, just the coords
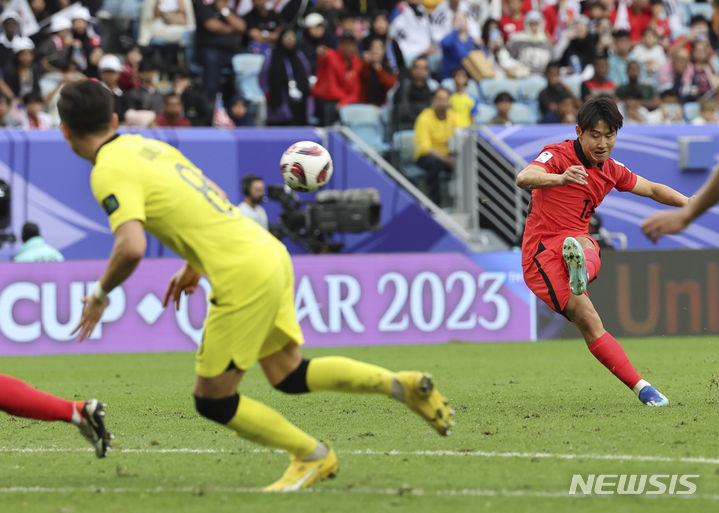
(568, 181)
(21, 400)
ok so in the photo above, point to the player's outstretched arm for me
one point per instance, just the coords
(536, 177)
(659, 192)
(674, 221)
(127, 252)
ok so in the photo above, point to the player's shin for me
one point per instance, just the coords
(347, 375)
(20, 399)
(610, 353)
(257, 422)
(593, 262)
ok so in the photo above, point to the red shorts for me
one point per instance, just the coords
(546, 274)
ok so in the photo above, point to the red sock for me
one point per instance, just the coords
(593, 262)
(607, 350)
(20, 399)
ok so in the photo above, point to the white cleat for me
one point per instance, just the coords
(573, 255)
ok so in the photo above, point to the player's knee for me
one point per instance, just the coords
(296, 381)
(220, 410)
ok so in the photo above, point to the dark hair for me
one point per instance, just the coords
(346, 36)
(669, 93)
(698, 18)
(421, 57)
(147, 64)
(439, 90)
(550, 65)
(620, 33)
(634, 94)
(247, 183)
(457, 70)
(504, 96)
(29, 230)
(599, 109)
(85, 107)
(33, 97)
(172, 95)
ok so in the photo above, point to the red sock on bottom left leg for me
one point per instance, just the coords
(20, 399)
(607, 350)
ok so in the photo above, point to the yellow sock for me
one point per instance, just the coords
(346, 375)
(260, 423)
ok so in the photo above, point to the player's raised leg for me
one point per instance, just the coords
(21, 400)
(608, 351)
(289, 372)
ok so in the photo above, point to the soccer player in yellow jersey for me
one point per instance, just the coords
(145, 184)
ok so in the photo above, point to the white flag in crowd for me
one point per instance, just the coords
(28, 23)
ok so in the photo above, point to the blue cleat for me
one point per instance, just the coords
(573, 255)
(652, 397)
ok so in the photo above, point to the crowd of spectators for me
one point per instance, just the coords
(169, 62)
(426, 64)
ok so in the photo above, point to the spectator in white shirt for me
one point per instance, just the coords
(410, 27)
(650, 54)
(253, 188)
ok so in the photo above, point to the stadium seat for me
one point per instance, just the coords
(529, 89)
(574, 83)
(491, 87)
(522, 114)
(190, 49)
(247, 68)
(472, 87)
(691, 111)
(359, 113)
(486, 112)
(403, 145)
(366, 121)
(695, 8)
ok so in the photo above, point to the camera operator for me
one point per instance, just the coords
(253, 188)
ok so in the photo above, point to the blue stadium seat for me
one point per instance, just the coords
(247, 68)
(694, 8)
(522, 114)
(358, 113)
(472, 87)
(403, 145)
(366, 121)
(574, 83)
(530, 87)
(486, 112)
(691, 110)
(491, 87)
(190, 49)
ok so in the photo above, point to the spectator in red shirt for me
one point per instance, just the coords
(639, 16)
(598, 85)
(514, 21)
(338, 78)
(377, 77)
(660, 23)
(129, 77)
(172, 115)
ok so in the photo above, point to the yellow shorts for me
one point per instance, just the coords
(256, 321)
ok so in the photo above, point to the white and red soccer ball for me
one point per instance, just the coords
(306, 166)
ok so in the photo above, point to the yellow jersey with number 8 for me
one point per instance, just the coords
(139, 178)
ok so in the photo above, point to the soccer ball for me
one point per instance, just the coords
(306, 166)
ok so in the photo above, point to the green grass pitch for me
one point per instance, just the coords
(529, 416)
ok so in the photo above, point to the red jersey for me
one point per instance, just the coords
(510, 26)
(566, 210)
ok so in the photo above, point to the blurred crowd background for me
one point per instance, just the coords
(372, 64)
